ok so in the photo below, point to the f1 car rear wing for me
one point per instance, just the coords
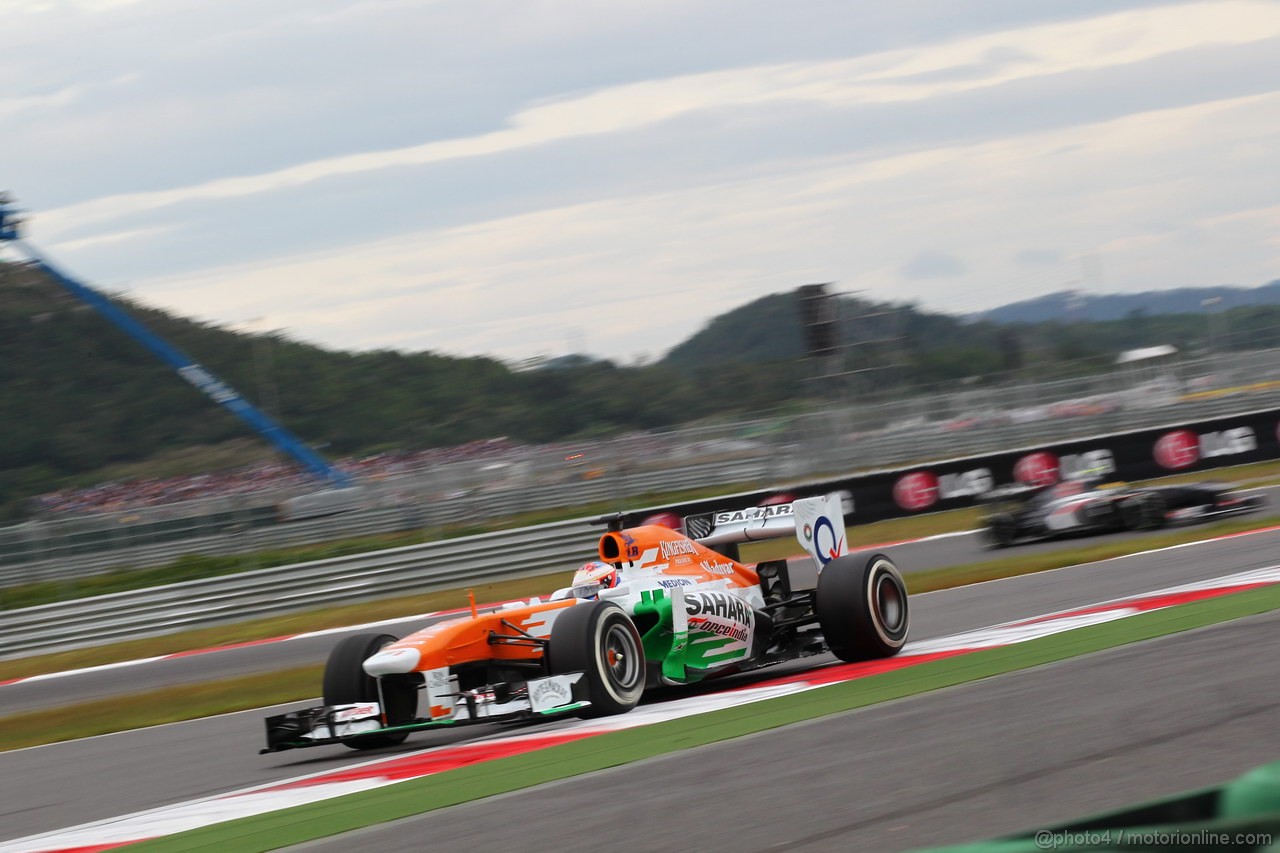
(817, 523)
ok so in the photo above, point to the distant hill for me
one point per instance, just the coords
(769, 330)
(759, 332)
(1073, 305)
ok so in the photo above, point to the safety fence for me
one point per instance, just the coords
(400, 571)
(43, 552)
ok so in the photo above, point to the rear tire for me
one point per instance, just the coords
(1143, 511)
(1002, 530)
(346, 682)
(1154, 509)
(862, 607)
(599, 640)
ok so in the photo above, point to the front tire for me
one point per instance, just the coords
(599, 640)
(862, 607)
(346, 682)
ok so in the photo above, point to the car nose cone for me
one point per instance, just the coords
(392, 662)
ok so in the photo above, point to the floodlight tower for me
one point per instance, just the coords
(188, 368)
(821, 328)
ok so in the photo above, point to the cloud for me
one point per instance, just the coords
(933, 265)
(894, 76)
(113, 237)
(645, 271)
(60, 98)
(478, 177)
(1037, 258)
(46, 7)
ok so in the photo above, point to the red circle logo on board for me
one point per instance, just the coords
(1178, 449)
(917, 490)
(1037, 469)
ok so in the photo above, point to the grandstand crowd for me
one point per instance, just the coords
(116, 496)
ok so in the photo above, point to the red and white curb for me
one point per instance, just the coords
(168, 820)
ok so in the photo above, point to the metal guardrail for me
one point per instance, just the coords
(59, 565)
(305, 586)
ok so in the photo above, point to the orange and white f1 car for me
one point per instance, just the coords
(657, 608)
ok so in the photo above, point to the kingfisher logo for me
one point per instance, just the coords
(679, 546)
(1037, 469)
(1178, 449)
(916, 491)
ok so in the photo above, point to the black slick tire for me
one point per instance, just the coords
(1143, 511)
(862, 607)
(1153, 511)
(346, 682)
(1002, 530)
(599, 640)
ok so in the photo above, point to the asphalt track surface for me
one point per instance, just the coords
(32, 695)
(1021, 751)
(71, 783)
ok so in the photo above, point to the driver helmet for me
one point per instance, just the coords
(593, 577)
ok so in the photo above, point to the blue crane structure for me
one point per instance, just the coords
(188, 368)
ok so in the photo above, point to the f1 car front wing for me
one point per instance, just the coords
(446, 706)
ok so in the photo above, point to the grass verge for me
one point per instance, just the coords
(156, 707)
(406, 799)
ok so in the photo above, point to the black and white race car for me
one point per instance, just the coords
(1075, 507)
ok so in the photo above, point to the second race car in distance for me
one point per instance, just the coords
(655, 607)
(1021, 513)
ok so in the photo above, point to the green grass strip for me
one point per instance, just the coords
(157, 707)
(406, 799)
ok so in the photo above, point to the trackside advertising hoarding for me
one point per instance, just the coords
(951, 484)
(1142, 455)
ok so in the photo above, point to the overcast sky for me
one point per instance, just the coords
(523, 177)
